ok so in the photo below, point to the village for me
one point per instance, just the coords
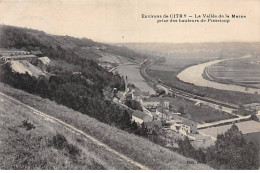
(160, 116)
(157, 113)
(34, 62)
(169, 121)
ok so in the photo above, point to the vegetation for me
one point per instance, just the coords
(169, 78)
(29, 142)
(134, 104)
(231, 151)
(82, 92)
(93, 156)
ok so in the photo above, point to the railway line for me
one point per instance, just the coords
(179, 92)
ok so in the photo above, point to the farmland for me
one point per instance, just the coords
(178, 57)
(244, 72)
(250, 130)
(196, 113)
(168, 70)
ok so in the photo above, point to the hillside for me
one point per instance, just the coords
(81, 153)
(60, 47)
(221, 49)
(77, 81)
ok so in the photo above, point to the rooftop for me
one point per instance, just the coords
(44, 60)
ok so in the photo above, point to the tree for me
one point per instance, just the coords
(134, 105)
(181, 110)
(124, 120)
(231, 151)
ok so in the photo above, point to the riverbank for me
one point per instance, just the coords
(167, 73)
(194, 75)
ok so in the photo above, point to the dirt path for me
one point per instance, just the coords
(76, 131)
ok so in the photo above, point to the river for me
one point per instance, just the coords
(133, 75)
(193, 75)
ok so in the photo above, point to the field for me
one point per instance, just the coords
(139, 149)
(196, 113)
(26, 142)
(244, 72)
(167, 72)
(245, 127)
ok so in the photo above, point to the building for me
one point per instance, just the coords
(153, 104)
(136, 95)
(162, 113)
(43, 63)
(13, 52)
(184, 127)
(140, 117)
(188, 126)
(19, 57)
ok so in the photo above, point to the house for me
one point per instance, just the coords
(153, 125)
(153, 104)
(43, 63)
(161, 112)
(136, 95)
(19, 57)
(188, 126)
(140, 117)
(13, 52)
(176, 125)
(184, 126)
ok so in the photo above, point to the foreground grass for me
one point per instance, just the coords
(28, 142)
(139, 149)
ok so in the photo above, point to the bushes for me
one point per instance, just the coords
(231, 151)
(134, 105)
(60, 143)
(27, 125)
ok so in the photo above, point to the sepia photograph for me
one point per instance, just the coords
(129, 85)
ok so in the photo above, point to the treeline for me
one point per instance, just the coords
(82, 92)
(76, 93)
(65, 47)
(231, 151)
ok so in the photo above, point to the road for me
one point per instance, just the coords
(179, 92)
(216, 104)
(75, 131)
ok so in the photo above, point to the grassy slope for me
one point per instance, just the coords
(139, 149)
(30, 149)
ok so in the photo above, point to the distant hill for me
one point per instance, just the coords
(30, 39)
(220, 49)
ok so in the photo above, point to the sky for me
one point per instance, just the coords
(115, 21)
